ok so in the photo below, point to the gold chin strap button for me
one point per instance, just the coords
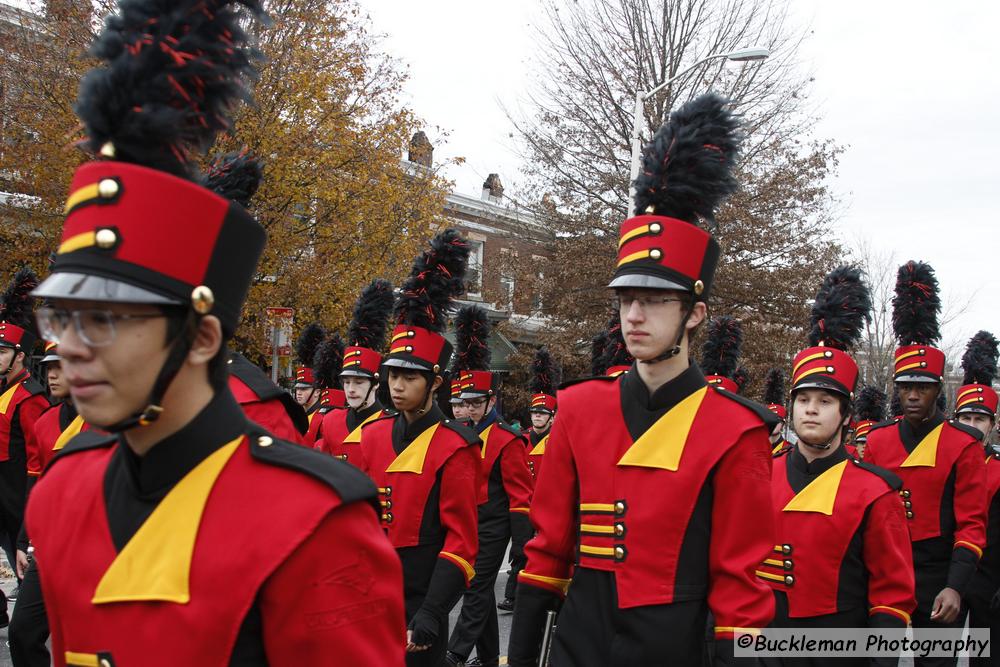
(264, 441)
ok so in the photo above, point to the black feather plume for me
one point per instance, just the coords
(472, 339)
(741, 376)
(235, 176)
(896, 406)
(328, 362)
(916, 305)
(870, 404)
(17, 302)
(843, 305)
(615, 351)
(687, 169)
(598, 344)
(544, 373)
(774, 387)
(174, 72)
(371, 315)
(980, 359)
(437, 277)
(308, 342)
(720, 352)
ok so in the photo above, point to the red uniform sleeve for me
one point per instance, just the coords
(889, 562)
(459, 515)
(742, 536)
(272, 416)
(29, 412)
(552, 552)
(516, 476)
(970, 500)
(338, 598)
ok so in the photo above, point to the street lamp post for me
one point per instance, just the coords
(741, 55)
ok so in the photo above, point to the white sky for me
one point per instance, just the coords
(908, 87)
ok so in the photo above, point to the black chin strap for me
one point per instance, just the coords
(179, 349)
(676, 349)
(427, 398)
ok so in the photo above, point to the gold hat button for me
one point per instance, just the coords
(107, 188)
(105, 238)
(202, 299)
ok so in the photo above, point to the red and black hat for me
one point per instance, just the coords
(421, 312)
(543, 383)
(720, 353)
(774, 392)
(869, 409)
(305, 349)
(51, 353)
(366, 333)
(686, 173)
(472, 353)
(616, 358)
(16, 303)
(456, 391)
(980, 365)
(139, 227)
(327, 362)
(842, 306)
(915, 310)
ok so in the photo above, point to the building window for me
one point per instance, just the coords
(508, 269)
(474, 270)
(538, 262)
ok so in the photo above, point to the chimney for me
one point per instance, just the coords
(492, 189)
(421, 150)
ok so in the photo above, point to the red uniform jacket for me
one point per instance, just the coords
(258, 529)
(22, 402)
(990, 563)
(506, 479)
(53, 430)
(842, 541)
(536, 450)
(315, 419)
(266, 403)
(945, 463)
(677, 509)
(439, 464)
(341, 432)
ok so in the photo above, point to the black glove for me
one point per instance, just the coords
(963, 567)
(528, 627)
(446, 587)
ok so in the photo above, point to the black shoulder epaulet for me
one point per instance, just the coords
(889, 477)
(33, 386)
(602, 378)
(378, 419)
(300, 420)
(510, 429)
(971, 430)
(766, 415)
(467, 433)
(85, 441)
(255, 378)
(349, 482)
(888, 422)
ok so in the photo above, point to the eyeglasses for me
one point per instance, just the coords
(646, 303)
(96, 328)
(474, 402)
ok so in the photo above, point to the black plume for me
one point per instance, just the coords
(774, 387)
(687, 169)
(438, 276)
(741, 376)
(721, 351)
(615, 352)
(916, 305)
(896, 407)
(942, 402)
(175, 71)
(543, 373)
(307, 344)
(235, 176)
(870, 404)
(980, 359)
(328, 362)
(371, 314)
(843, 305)
(472, 339)
(598, 344)
(17, 302)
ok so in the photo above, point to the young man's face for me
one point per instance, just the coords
(816, 416)
(359, 391)
(651, 319)
(917, 399)
(54, 374)
(540, 420)
(978, 420)
(478, 407)
(460, 411)
(407, 388)
(12, 359)
(111, 383)
(306, 396)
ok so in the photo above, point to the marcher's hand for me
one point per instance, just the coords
(411, 647)
(947, 604)
(22, 563)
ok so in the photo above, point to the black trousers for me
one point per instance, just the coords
(931, 580)
(477, 624)
(592, 631)
(516, 565)
(29, 627)
(981, 616)
(856, 618)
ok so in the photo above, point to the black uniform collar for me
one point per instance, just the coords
(404, 433)
(356, 418)
(488, 420)
(801, 471)
(641, 410)
(535, 437)
(67, 413)
(6, 382)
(911, 437)
(220, 422)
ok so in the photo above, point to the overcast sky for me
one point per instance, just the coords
(910, 88)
